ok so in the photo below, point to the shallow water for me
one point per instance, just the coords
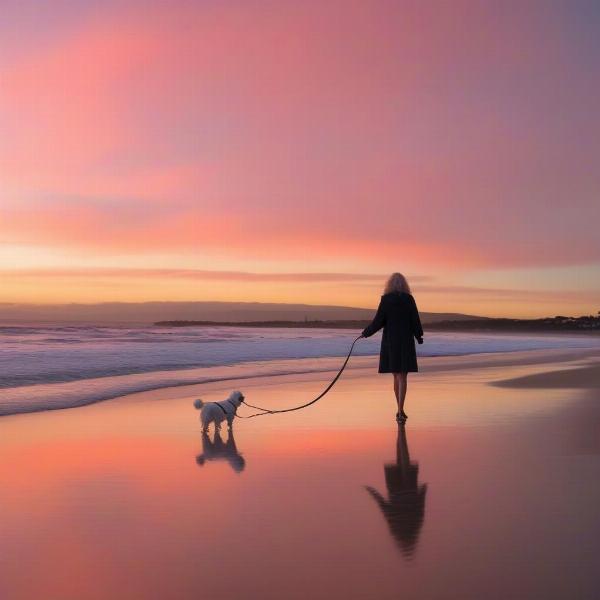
(488, 492)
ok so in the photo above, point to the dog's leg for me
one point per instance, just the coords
(230, 423)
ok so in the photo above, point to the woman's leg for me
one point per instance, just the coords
(397, 388)
(401, 395)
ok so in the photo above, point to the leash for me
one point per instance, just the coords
(221, 406)
(266, 411)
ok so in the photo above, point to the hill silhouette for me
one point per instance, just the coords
(231, 312)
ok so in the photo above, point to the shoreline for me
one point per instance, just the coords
(359, 366)
(428, 365)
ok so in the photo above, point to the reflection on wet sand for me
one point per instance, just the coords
(404, 510)
(217, 449)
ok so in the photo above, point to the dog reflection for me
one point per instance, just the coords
(404, 508)
(217, 449)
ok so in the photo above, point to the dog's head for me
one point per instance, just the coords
(236, 397)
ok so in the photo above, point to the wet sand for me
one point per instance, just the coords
(491, 490)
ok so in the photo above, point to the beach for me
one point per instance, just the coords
(491, 489)
(272, 201)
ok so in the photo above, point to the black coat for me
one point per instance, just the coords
(399, 317)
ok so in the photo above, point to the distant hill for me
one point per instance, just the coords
(151, 312)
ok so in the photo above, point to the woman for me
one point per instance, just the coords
(399, 317)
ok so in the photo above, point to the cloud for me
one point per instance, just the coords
(198, 274)
(451, 136)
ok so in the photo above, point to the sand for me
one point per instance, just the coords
(491, 490)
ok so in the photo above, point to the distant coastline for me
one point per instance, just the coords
(314, 324)
(559, 324)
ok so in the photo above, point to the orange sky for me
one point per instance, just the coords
(299, 152)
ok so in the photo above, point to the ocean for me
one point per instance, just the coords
(51, 367)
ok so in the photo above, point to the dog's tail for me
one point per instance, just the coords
(198, 404)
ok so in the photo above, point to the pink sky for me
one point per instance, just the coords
(457, 142)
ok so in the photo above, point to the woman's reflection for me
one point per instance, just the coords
(217, 449)
(404, 510)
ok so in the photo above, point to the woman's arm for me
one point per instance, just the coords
(377, 323)
(415, 322)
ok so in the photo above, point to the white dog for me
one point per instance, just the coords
(217, 412)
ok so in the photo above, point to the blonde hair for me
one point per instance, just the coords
(397, 283)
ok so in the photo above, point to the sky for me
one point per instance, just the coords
(285, 151)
